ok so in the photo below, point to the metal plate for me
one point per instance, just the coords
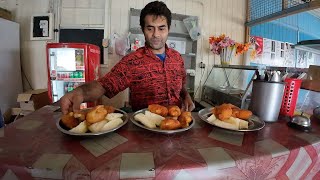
(65, 130)
(158, 130)
(255, 123)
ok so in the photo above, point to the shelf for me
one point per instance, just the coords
(189, 55)
(70, 79)
(271, 68)
(237, 67)
(78, 68)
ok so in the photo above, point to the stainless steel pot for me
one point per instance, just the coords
(266, 99)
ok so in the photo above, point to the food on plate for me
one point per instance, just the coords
(172, 117)
(244, 114)
(158, 109)
(185, 118)
(230, 117)
(170, 124)
(154, 117)
(69, 120)
(174, 111)
(81, 128)
(98, 119)
(112, 116)
(80, 115)
(110, 109)
(112, 124)
(96, 127)
(96, 114)
(145, 121)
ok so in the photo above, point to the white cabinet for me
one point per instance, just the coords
(10, 68)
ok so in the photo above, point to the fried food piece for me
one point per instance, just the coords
(110, 109)
(158, 109)
(244, 114)
(174, 111)
(185, 118)
(81, 128)
(96, 114)
(235, 112)
(225, 114)
(80, 115)
(69, 120)
(170, 124)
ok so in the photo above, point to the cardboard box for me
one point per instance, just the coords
(11, 115)
(33, 100)
(5, 14)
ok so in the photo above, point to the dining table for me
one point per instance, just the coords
(32, 147)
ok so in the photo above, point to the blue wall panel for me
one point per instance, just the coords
(298, 27)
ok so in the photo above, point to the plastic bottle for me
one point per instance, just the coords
(65, 87)
(70, 87)
(80, 74)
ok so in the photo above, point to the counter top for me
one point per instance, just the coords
(33, 148)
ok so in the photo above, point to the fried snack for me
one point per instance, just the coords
(69, 121)
(112, 124)
(156, 118)
(185, 118)
(174, 111)
(81, 116)
(235, 112)
(158, 109)
(81, 128)
(244, 114)
(225, 113)
(96, 114)
(145, 121)
(110, 109)
(170, 124)
(96, 127)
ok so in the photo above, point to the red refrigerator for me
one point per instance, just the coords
(69, 66)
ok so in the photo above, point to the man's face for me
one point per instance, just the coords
(156, 32)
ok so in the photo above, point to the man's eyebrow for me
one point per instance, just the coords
(158, 26)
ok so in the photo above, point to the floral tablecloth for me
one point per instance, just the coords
(33, 148)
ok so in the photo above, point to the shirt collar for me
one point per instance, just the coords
(149, 52)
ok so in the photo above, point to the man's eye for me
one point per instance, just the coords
(149, 29)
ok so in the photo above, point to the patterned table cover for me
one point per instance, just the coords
(33, 148)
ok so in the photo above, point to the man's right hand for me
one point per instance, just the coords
(71, 101)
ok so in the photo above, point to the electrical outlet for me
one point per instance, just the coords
(202, 65)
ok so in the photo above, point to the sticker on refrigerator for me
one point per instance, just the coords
(53, 74)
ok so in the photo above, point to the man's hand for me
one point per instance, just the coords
(71, 101)
(87, 92)
(188, 104)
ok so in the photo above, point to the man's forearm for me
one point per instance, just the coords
(91, 91)
(184, 93)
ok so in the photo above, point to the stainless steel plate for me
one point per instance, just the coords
(255, 123)
(158, 130)
(65, 130)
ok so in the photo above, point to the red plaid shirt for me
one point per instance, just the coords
(150, 80)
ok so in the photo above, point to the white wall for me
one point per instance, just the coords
(216, 17)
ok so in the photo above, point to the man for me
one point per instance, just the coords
(155, 74)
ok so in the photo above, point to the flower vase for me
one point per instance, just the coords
(226, 55)
(225, 61)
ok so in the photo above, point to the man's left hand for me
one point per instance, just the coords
(188, 104)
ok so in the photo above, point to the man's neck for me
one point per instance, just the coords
(158, 51)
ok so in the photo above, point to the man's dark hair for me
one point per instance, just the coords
(156, 8)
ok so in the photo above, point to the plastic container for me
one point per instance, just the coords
(290, 96)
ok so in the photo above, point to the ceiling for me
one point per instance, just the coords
(315, 12)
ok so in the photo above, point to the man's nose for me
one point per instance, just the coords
(156, 33)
